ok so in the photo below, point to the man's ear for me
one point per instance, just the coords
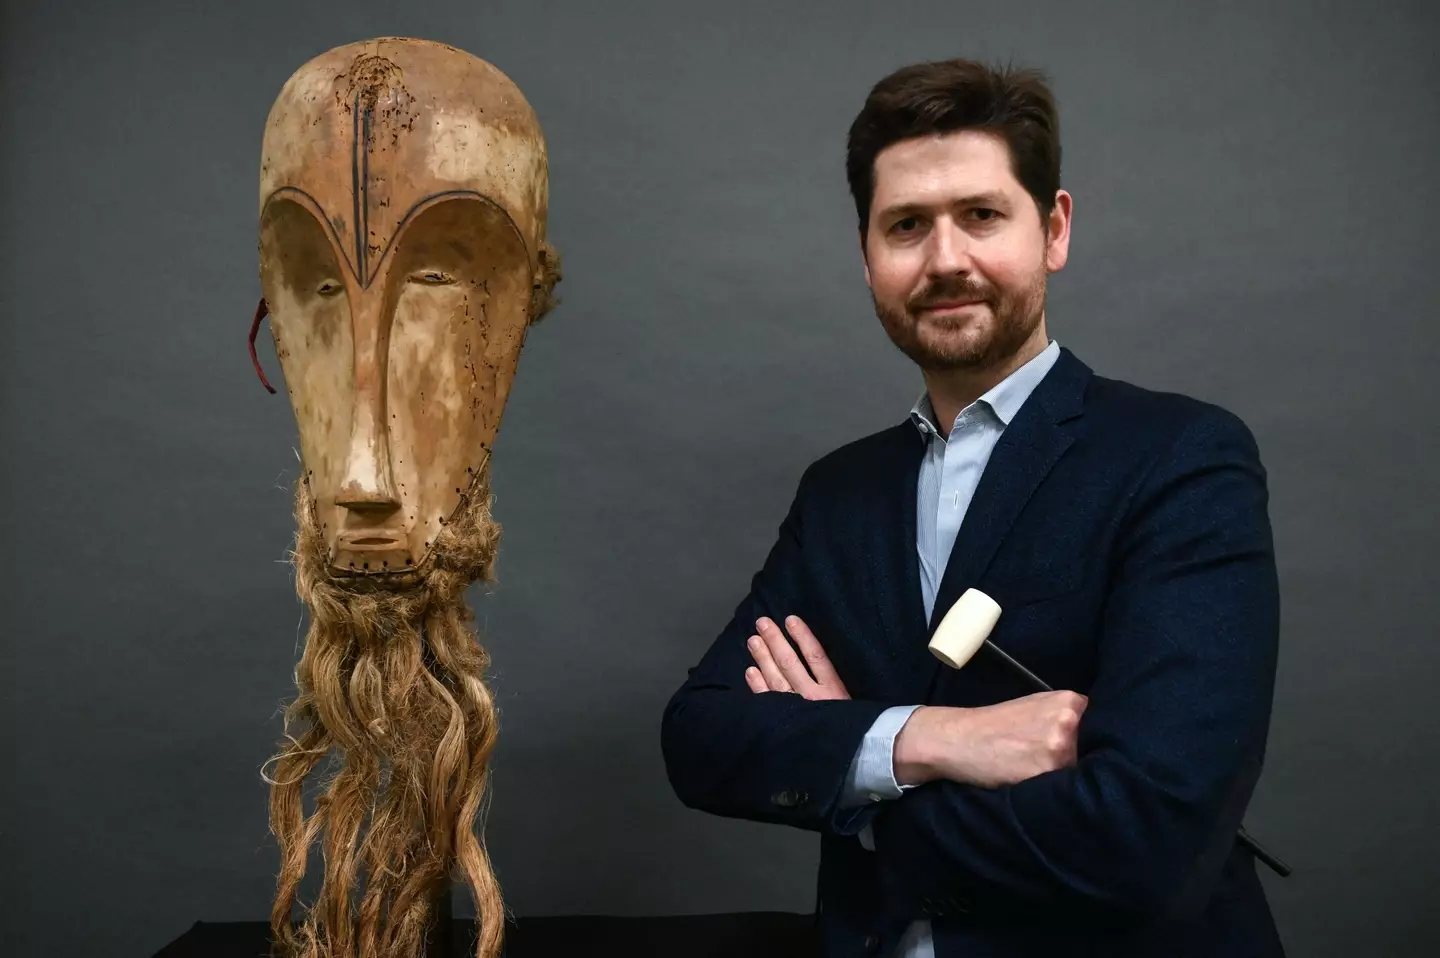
(1057, 233)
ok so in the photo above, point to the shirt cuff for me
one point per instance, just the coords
(872, 770)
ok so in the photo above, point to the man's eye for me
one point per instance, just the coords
(906, 225)
(432, 277)
(329, 287)
(983, 213)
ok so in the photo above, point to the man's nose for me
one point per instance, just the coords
(949, 249)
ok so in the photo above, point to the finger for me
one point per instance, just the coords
(814, 653)
(760, 652)
(755, 680)
(785, 656)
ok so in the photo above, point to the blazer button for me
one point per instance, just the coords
(789, 799)
(872, 944)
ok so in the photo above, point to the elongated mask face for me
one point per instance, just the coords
(402, 258)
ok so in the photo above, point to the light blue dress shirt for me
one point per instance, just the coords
(949, 474)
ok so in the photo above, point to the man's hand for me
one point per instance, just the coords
(991, 746)
(779, 669)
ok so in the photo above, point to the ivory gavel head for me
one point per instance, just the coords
(965, 628)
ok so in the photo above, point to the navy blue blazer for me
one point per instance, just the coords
(1125, 535)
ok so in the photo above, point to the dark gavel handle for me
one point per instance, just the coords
(1261, 852)
(1256, 849)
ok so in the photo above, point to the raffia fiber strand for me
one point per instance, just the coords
(391, 691)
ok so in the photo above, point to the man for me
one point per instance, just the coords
(1124, 535)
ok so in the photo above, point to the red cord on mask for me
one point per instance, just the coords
(261, 312)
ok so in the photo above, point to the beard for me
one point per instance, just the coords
(947, 344)
(392, 692)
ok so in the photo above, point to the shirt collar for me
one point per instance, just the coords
(1004, 399)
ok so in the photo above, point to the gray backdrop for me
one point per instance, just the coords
(1254, 224)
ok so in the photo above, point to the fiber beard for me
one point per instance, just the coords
(391, 691)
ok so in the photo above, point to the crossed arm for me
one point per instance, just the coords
(989, 747)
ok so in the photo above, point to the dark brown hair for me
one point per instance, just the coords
(952, 95)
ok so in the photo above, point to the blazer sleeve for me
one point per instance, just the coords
(1171, 742)
(772, 756)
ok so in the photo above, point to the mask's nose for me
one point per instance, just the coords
(368, 486)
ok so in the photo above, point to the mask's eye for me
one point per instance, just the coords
(330, 287)
(432, 277)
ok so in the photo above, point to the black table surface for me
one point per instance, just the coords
(743, 934)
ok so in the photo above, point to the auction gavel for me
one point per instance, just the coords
(967, 626)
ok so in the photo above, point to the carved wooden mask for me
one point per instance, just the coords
(403, 194)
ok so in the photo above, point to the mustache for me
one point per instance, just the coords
(947, 289)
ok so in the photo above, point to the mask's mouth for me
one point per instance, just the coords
(370, 539)
(374, 551)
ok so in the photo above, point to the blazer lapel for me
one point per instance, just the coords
(895, 571)
(1027, 451)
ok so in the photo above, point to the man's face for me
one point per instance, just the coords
(956, 254)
